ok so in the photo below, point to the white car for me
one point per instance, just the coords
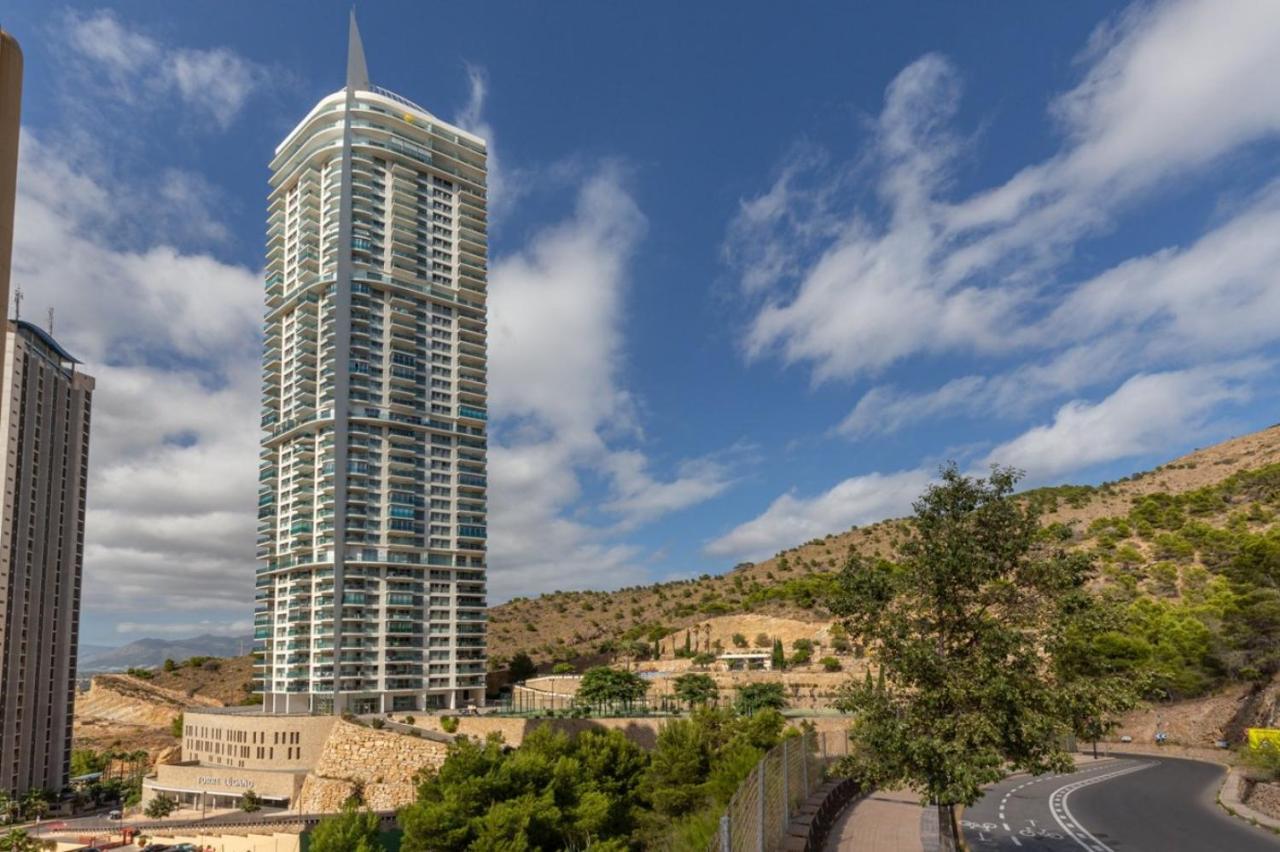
(1126, 739)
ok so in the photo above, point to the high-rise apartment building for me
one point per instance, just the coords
(44, 422)
(10, 117)
(372, 502)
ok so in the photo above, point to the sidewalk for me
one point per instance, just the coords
(885, 821)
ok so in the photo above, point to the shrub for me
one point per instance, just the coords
(408, 720)
(830, 664)
(763, 640)
(376, 723)
(449, 724)
(739, 641)
(250, 802)
(160, 807)
(563, 668)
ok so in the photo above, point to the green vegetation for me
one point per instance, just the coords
(696, 689)
(1263, 761)
(604, 685)
(563, 668)
(175, 726)
(597, 790)
(17, 840)
(160, 807)
(755, 697)
(250, 802)
(141, 674)
(449, 724)
(522, 667)
(353, 830)
(982, 632)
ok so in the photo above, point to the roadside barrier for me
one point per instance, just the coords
(759, 815)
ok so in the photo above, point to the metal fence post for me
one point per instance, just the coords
(804, 765)
(760, 771)
(786, 788)
(724, 833)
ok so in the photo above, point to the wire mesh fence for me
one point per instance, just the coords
(757, 817)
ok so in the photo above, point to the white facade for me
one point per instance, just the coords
(372, 501)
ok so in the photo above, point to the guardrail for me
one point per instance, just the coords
(758, 815)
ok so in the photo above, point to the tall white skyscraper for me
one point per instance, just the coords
(372, 503)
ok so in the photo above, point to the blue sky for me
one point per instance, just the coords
(755, 273)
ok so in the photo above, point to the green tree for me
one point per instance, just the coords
(170, 665)
(754, 697)
(603, 684)
(779, 658)
(250, 802)
(973, 630)
(86, 761)
(175, 727)
(696, 689)
(522, 667)
(17, 840)
(352, 830)
(554, 792)
(160, 807)
(563, 668)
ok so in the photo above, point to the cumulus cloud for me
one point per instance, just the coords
(173, 339)
(848, 287)
(133, 66)
(922, 274)
(792, 519)
(1146, 412)
(556, 336)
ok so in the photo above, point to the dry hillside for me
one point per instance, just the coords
(128, 712)
(561, 625)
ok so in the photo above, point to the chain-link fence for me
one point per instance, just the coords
(757, 817)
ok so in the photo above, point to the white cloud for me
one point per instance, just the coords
(1171, 88)
(134, 66)
(792, 520)
(556, 336)
(504, 185)
(173, 339)
(1146, 413)
(1143, 415)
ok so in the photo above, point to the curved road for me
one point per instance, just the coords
(1139, 803)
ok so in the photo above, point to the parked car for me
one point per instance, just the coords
(1126, 739)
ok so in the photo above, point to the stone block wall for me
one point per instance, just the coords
(381, 762)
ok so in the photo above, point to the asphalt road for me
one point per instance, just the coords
(1128, 804)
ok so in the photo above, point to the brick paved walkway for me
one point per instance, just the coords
(885, 821)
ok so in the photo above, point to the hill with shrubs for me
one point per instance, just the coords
(1190, 550)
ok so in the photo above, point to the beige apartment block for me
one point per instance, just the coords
(227, 752)
(373, 485)
(44, 422)
(10, 115)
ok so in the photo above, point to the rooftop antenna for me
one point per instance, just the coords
(17, 303)
(51, 322)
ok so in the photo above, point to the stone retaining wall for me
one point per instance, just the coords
(381, 763)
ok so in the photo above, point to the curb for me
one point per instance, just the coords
(1229, 801)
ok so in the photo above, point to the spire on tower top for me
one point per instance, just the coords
(357, 70)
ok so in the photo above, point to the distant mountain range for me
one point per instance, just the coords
(153, 652)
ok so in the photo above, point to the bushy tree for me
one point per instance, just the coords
(754, 697)
(353, 830)
(554, 792)
(522, 667)
(603, 684)
(160, 807)
(694, 689)
(250, 802)
(974, 630)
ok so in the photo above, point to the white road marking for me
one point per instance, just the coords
(1062, 813)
